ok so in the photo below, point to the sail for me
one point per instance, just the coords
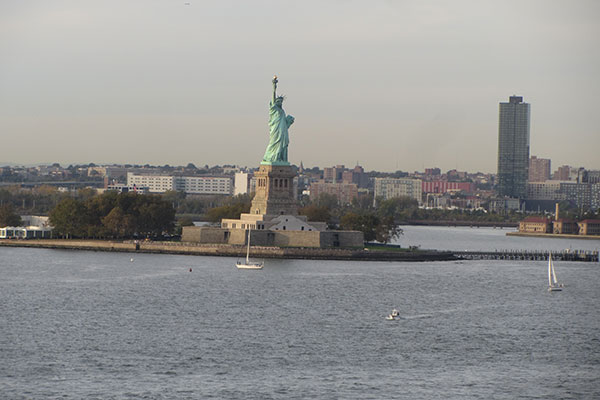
(550, 269)
(554, 275)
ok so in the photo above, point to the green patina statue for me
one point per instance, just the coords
(277, 149)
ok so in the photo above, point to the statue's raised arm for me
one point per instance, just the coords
(274, 88)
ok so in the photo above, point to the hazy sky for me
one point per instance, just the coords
(391, 84)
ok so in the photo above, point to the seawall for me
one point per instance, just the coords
(554, 235)
(232, 251)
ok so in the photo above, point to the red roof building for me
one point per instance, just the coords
(535, 225)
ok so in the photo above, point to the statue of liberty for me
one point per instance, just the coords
(277, 149)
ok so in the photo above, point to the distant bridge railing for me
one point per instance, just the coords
(531, 255)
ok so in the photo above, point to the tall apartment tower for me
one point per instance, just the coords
(513, 148)
(539, 169)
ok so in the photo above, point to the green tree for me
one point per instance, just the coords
(113, 214)
(185, 221)
(232, 210)
(314, 212)
(395, 206)
(387, 230)
(366, 223)
(154, 215)
(382, 229)
(119, 224)
(327, 200)
(8, 216)
(69, 218)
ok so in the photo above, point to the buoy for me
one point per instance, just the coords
(190, 270)
(131, 260)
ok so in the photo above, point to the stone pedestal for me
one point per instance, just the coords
(275, 191)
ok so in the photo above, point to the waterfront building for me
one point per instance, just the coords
(535, 225)
(513, 148)
(32, 227)
(539, 169)
(23, 232)
(387, 188)
(589, 227)
(565, 226)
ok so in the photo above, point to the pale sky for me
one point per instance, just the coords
(389, 84)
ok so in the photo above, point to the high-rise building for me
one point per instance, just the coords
(562, 173)
(539, 169)
(513, 148)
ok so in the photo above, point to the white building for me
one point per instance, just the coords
(123, 188)
(243, 183)
(154, 183)
(32, 227)
(22, 232)
(188, 184)
(387, 188)
(204, 184)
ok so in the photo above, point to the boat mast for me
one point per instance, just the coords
(549, 269)
(248, 250)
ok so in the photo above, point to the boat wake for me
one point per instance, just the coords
(418, 316)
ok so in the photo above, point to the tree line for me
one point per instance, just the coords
(113, 215)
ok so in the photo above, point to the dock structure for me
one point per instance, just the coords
(529, 255)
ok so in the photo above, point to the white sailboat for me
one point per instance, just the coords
(553, 285)
(248, 264)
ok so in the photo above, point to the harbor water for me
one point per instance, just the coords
(78, 324)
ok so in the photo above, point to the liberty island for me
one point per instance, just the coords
(273, 217)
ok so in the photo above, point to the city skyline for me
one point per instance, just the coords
(392, 86)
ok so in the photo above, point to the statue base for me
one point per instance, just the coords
(275, 190)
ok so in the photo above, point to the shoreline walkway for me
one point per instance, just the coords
(296, 252)
(232, 250)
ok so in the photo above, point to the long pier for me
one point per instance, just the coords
(530, 255)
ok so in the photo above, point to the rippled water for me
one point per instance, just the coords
(97, 325)
(476, 239)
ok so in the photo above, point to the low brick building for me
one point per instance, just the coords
(535, 225)
(589, 227)
(565, 226)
